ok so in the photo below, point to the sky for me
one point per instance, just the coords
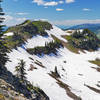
(58, 12)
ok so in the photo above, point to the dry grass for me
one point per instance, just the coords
(31, 58)
(66, 87)
(93, 89)
(31, 68)
(67, 45)
(2, 97)
(98, 69)
(39, 63)
(71, 48)
(69, 31)
(96, 62)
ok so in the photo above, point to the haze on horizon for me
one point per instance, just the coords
(58, 12)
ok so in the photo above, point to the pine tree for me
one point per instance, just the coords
(20, 71)
(1, 18)
(56, 72)
(3, 48)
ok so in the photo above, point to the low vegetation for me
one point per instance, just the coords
(47, 49)
(42, 26)
(2, 97)
(93, 89)
(21, 75)
(39, 63)
(31, 28)
(55, 73)
(65, 87)
(14, 41)
(26, 30)
(96, 61)
(85, 40)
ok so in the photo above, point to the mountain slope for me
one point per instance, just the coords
(93, 27)
(65, 76)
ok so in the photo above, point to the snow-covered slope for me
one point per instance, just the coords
(74, 69)
(31, 43)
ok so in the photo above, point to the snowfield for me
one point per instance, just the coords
(31, 43)
(74, 69)
(57, 32)
(9, 34)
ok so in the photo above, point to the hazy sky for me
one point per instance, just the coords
(60, 12)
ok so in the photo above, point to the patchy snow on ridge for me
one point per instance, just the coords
(74, 69)
(38, 41)
(38, 77)
(58, 33)
(9, 34)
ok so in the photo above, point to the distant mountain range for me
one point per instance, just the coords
(63, 27)
(93, 27)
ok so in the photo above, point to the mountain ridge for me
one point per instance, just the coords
(65, 75)
(93, 27)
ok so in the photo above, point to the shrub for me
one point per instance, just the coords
(14, 41)
(84, 40)
(47, 49)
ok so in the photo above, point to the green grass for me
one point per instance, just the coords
(13, 41)
(25, 22)
(96, 62)
(68, 37)
(84, 41)
(25, 31)
(42, 25)
(69, 46)
(31, 28)
(72, 48)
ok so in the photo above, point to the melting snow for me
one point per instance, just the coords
(77, 70)
(9, 34)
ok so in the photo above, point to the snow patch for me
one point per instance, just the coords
(74, 69)
(9, 34)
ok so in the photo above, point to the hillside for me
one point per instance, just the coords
(93, 27)
(52, 63)
(84, 39)
(12, 89)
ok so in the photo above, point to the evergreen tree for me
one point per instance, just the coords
(20, 71)
(56, 72)
(1, 18)
(3, 48)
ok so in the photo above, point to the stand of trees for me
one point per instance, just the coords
(3, 48)
(86, 40)
(50, 47)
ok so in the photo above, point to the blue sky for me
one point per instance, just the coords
(59, 12)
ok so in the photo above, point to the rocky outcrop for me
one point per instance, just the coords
(12, 89)
(7, 92)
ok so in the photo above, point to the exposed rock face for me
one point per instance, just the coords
(12, 89)
(7, 92)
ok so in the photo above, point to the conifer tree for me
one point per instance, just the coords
(3, 48)
(20, 71)
(56, 72)
(1, 18)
